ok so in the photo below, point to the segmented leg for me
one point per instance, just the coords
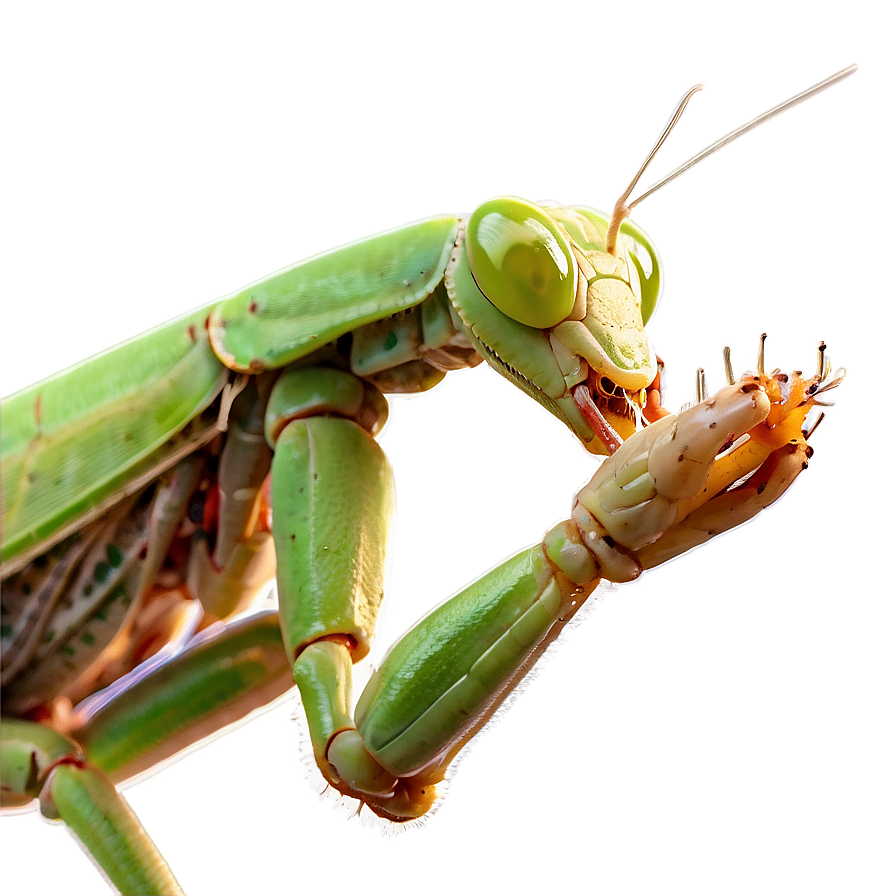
(39, 762)
(668, 488)
(145, 718)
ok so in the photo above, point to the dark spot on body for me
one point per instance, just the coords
(194, 514)
(714, 424)
(191, 333)
(26, 589)
(805, 465)
(761, 488)
(253, 307)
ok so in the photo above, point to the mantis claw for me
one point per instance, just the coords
(717, 464)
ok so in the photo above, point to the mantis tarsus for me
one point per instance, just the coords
(604, 387)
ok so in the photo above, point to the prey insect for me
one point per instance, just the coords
(151, 492)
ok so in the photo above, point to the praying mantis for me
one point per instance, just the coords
(452, 270)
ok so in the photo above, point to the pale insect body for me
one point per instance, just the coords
(602, 387)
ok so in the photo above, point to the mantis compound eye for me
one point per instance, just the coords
(521, 262)
(647, 264)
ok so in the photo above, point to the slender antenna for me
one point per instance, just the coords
(622, 210)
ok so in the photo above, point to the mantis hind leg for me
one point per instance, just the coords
(40, 763)
(142, 720)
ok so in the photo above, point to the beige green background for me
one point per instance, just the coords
(722, 726)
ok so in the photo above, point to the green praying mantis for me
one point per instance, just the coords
(147, 493)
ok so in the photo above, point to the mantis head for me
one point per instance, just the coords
(556, 299)
(557, 314)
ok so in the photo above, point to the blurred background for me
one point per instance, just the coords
(723, 725)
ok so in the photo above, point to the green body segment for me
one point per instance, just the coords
(332, 497)
(87, 801)
(323, 675)
(439, 679)
(38, 763)
(302, 308)
(213, 683)
(28, 749)
(73, 440)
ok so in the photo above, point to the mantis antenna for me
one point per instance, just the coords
(623, 208)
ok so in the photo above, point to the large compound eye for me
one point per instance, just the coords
(521, 262)
(647, 263)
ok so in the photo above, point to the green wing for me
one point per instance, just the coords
(70, 442)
